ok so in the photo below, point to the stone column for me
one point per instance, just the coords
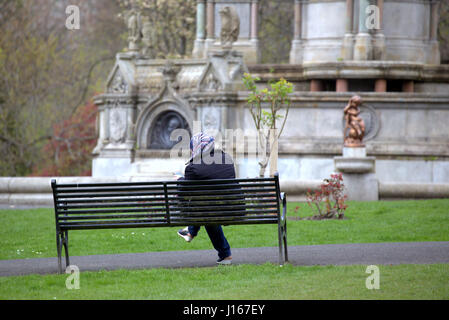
(210, 38)
(254, 19)
(435, 48)
(254, 33)
(348, 40)
(342, 85)
(434, 20)
(296, 50)
(102, 123)
(379, 37)
(198, 47)
(363, 45)
(380, 85)
(316, 85)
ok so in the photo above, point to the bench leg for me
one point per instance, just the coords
(281, 258)
(59, 249)
(285, 242)
(66, 248)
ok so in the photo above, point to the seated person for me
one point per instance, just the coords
(207, 163)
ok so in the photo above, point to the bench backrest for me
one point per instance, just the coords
(167, 203)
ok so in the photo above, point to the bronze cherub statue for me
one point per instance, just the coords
(354, 130)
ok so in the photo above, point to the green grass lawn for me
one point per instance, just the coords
(31, 233)
(241, 282)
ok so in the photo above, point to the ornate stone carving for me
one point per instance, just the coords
(117, 125)
(230, 27)
(169, 71)
(211, 83)
(163, 127)
(354, 130)
(118, 84)
(211, 119)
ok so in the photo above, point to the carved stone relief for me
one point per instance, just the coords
(164, 125)
(117, 125)
(211, 119)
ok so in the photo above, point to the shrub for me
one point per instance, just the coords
(330, 200)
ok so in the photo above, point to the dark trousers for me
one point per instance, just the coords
(217, 238)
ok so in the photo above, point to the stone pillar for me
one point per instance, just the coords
(342, 85)
(198, 47)
(103, 123)
(363, 46)
(359, 174)
(379, 37)
(435, 48)
(254, 20)
(210, 38)
(316, 85)
(348, 40)
(380, 85)
(296, 50)
(408, 86)
(254, 33)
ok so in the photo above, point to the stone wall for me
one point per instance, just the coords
(36, 192)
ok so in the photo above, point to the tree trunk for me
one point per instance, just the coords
(273, 152)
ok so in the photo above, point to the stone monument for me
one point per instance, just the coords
(392, 64)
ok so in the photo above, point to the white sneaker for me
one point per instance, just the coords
(184, 233)
(225, 261)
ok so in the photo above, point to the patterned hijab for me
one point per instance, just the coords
(201, 143)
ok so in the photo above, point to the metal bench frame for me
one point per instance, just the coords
(168, 204)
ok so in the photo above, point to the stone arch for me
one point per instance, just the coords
(160, 116)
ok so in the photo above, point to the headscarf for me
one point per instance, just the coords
(201, 143)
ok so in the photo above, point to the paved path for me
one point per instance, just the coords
(329, 254)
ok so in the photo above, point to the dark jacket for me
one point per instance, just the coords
(223, 169)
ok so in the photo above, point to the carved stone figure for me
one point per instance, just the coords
(230, 27)
(165, 124)
(134, 24)
(354, 130)
(146, 36)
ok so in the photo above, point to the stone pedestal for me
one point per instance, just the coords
(347, 51)
(358, 174)
(363, 47)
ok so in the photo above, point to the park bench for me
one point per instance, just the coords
(168, 204)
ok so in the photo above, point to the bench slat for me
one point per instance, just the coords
(149, 183)
(182, 193)
(181, 188)
(224, 213)
(105, 189)
(69, 212)
(106, 216)
(121, 194)
(110, 205)
(108, 200)
(222, 207)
